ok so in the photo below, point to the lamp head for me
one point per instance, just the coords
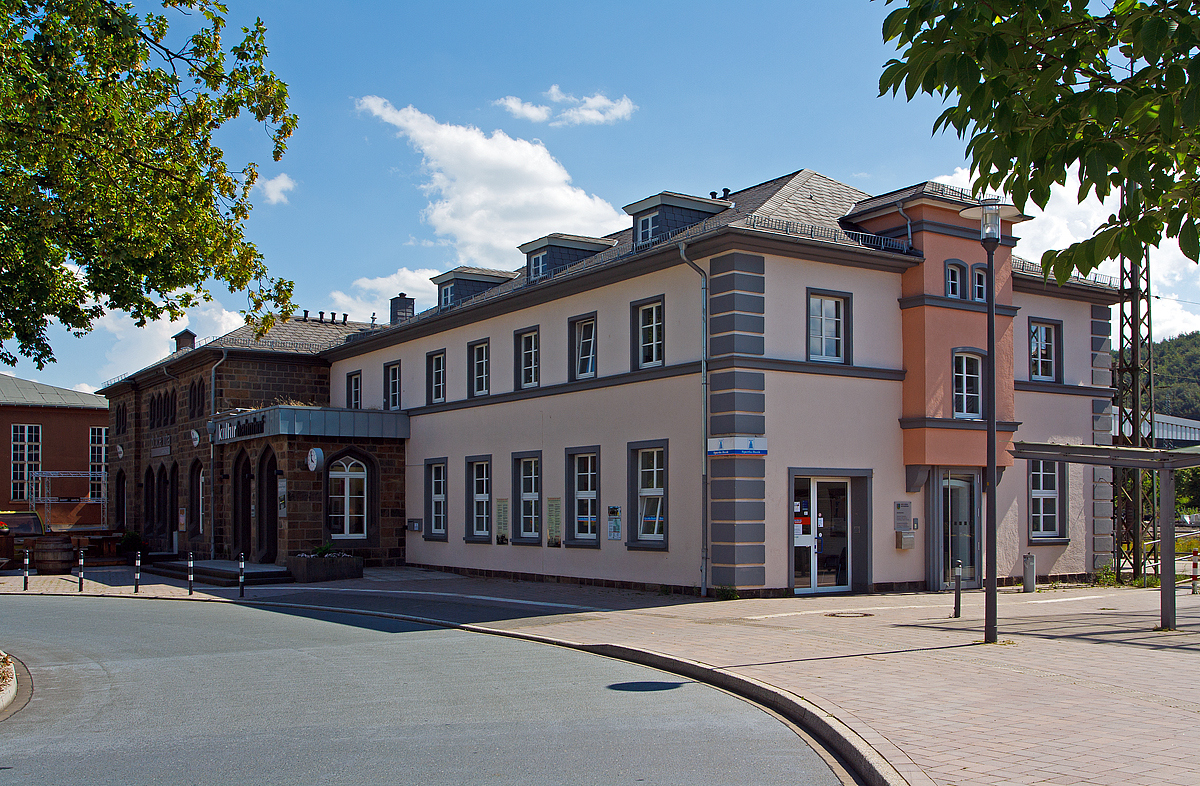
(989, 219)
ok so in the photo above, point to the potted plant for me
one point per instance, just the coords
(324, 564)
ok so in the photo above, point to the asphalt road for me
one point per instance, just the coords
(148, 692)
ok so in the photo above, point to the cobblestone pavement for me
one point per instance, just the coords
(1081, 690)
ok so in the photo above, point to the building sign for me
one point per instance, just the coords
(240, 428)
(160, 445)
(281, 496)
(903, 519)
(737, 446)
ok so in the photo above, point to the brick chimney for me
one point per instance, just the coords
(184, 339)
(403, 307)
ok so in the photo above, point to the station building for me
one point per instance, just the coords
(778, 389)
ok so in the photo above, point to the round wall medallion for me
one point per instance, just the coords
(195, 438)
(120, 452)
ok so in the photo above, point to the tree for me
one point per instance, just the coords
(112, 193)
(1044, 86)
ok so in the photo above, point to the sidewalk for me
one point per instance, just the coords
(1081, 690)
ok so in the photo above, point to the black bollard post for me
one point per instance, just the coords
(242, 575)
(957, 588)
(81, 570)
(137, 571)
(27, 570)
(191, 566)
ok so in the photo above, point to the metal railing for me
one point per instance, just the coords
(1020, 265)
(817, 232)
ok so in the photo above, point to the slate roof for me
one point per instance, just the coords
(25, 393)
(929, 188)
(482, 271)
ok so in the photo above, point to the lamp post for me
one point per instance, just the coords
(989, 213)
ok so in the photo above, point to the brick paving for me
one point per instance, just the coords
(1081, 690)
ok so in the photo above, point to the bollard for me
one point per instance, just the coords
(1195, 577)
(1030, 573)
(191, 566)
(81, 570)
(957, 588)
(137, 571)
(242, 575)
(26, 570)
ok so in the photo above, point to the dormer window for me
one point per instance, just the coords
(447, 295)
(461, 284)
(647, 228)
(537, 265)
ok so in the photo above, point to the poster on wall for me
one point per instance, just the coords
(501, 522)
(281, 497)
(554, 522)
(614, 522)
(183, 519)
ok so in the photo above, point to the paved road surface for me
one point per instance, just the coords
(136, 692)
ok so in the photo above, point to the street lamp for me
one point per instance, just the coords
(989, 212)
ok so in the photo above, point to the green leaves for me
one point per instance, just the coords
(112, 193)
(1047, 91)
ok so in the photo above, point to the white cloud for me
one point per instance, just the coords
(84, 387)
(523, 109)
(135, 348)
(1066, 220)
(276, 188)
(490, 193)
(373, 295)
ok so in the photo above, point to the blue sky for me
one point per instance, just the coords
(436, 134)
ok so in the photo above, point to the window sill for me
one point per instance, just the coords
(522, 541)
(646, 545)
(582, 544)
(439, 536)
(1055, 541)
(828, 361)
(478, 539)
(348, 537)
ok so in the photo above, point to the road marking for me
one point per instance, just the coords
(1064, 600)
(826, 611)
(515, 601)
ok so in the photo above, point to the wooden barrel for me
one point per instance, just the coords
(53, 554)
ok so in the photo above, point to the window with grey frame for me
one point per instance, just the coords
(435, 499)
(1044, 352)
(979, 283)
(478, 368)
(354, 390)
(968, 385)
(1047, 500)
(648, 494)
(527, 349)
(583, 496)
(956, 284)
(391, 386)
(828, 326)
(583, 347)
(435, 377)
(649, 344)
(479, 499)
(527, 497)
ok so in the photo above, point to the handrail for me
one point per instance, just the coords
(1020, 265)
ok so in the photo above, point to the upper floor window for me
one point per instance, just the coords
(121, 419)
(530, 359)
(435, 375)
(196, 399)
(97, 459)
(583, 348)
(447, 294)
(1045, 499)
(391, 386)
(26, 458)
(826, 328)
(955, 283)
(480, 368)
(968, 386)
(1043, 352)
(650, 334)
(537, 265)
(647, 228)
(979, 284)
(354, 390)
(348, 499)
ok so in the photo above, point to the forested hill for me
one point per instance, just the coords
(1177, 376)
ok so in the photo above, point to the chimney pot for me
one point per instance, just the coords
(725, 193)
(712, 194)
(305, 316)
(321, 318)
(344, 316)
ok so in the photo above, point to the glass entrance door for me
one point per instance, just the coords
(960, 526)
(820, 534)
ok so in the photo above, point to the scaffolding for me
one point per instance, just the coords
(42, 480)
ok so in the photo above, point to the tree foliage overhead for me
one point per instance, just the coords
(112, 193)
(1043, 86)
(1177, 376)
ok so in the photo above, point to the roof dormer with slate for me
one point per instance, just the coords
(555, 252)
(464, 283)
(666, 213)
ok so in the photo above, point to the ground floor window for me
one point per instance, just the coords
(348, 499)
(435, 499)
(648, 494)
(481, 498)
(531, 497)
(1045, 499)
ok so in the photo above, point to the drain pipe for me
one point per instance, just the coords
(704, 425)
(212, 460)
(907, 220)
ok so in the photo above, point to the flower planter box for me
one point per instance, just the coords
(306, 570)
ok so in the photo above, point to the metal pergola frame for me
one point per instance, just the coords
(1164, 462)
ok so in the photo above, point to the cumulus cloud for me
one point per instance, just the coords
(596, 109)
(276, 188)
(490, 192)
(1066, 220)
(137, 347)
(84, 387)
(524, 110)
(373, 295)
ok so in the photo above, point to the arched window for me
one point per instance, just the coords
(148, 519)
(956, 284)
(118, 496)
(348, 498)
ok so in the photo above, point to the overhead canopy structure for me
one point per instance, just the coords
(1165, 462)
